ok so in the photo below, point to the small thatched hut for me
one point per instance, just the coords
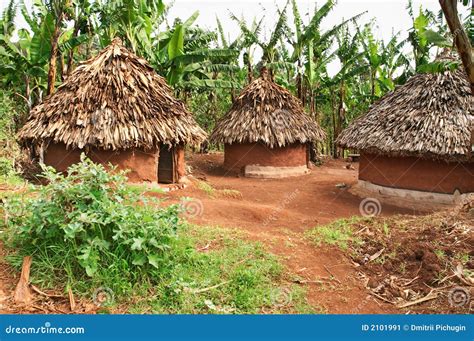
(115, 108)
(266, 133)
(417, 141)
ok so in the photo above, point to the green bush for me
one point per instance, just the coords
(91, 223)
(6, 167)
(10, 112)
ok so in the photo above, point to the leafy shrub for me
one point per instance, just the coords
(89, 223)
(8, 111)
(6, 167)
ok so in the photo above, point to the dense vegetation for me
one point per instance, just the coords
(206, 70)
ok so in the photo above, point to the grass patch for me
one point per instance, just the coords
(145, 188)
(338, 233)
(230, 193)
(207, 188)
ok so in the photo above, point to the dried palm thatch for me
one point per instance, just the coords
(266, 112)
(431, 116)
(112, 101)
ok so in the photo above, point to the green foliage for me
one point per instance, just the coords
(9, 112)
(92, 222)
(6, 167)
(338, 233)
(233, 276)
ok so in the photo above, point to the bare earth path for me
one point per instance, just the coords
(277, 212)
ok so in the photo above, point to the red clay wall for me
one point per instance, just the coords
(237, 156)
(181, 170)
(143, 165)
(417, 174)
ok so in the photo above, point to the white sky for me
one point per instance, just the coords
(390, 15)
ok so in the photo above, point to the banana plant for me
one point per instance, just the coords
(383, 60)
(311, 45)
(250, 39)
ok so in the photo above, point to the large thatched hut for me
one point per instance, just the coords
(266, 133)
(417, 141)
(115, 108)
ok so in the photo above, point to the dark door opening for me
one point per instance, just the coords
(166, 165)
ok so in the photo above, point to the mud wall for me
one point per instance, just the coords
(180, 163)
(143, 165)
(237, 156)
(417, 174)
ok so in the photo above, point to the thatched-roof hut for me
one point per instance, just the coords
(266, 133)
(117, 109)
(418, 139)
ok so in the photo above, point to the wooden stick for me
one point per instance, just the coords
(22, 291)
(428, 297)
(198, 291)
(381, 297)
(329, 271)
(72, 301)
(38, 291)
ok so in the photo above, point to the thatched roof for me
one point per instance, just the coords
(112, 101)
(266, 112)
(431, 116)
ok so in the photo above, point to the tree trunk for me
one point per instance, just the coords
(460, 37)
(53, 57)
(299, 82)
(340, 118)
(28, 93)
(70, 59)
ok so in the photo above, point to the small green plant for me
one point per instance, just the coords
(440, 254)
(8, 174)
(338, 233)
(6, 167)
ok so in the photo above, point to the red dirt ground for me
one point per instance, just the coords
(277, 212)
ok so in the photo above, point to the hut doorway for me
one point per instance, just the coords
(166, 169)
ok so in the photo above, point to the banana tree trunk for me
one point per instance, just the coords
(461, 39)
(299, 82)
(53, 59)
(339, 119)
